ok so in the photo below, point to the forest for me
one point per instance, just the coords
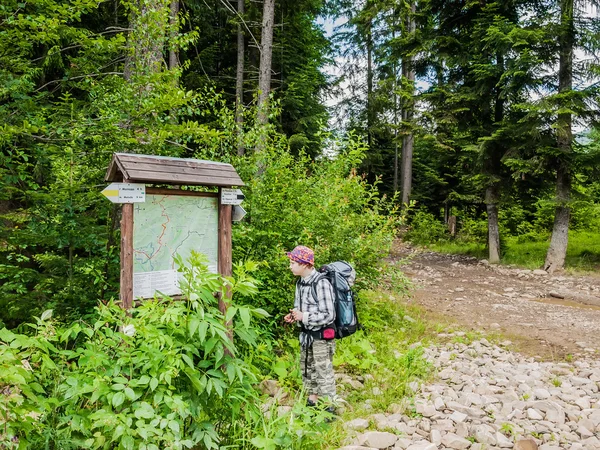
(350, 122)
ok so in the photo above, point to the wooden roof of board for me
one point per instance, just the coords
(136, 168)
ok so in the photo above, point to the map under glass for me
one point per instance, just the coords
(166, 225)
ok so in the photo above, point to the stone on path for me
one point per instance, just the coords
(526, 444)
(379, 439)
(357, 424)
(424, 445)
(357, 447)
(453, 441)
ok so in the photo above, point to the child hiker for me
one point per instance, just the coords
(315, 317)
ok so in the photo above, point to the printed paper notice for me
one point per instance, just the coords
(145, 284)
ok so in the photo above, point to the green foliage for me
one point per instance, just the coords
(322, 204)
(529, 250)
(425, 228)
(166, 376)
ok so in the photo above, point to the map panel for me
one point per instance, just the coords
(166, 225)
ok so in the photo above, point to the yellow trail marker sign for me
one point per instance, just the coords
(125, 192)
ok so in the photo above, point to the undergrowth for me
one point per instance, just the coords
(168, 377)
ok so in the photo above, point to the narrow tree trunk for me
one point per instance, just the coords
(557, 252)
(147, 38)
(370, 105)
(266, 52)
(406, 168)
(239, 80)
(395, 93)
(173, 21)
(395, 141)
(492, 168)
(491, 201)
(407, 115)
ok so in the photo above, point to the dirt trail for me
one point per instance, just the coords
(524, 305)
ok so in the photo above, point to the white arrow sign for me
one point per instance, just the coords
(125, 192)
(237, 213)
(231, 197)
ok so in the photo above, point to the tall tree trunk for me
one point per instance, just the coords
(395, 93)
(173, 21)
(407, 116)
(492, 196)
(493, 168)
(239, 80)
(395, 136)
(147, 38)
(557, 252)
(266, 53)
(370, 105)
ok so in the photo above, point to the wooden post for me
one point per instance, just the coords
(127, 255)
(225, 265)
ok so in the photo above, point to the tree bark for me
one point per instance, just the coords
(370, 104)
(266, 53)
(147, 39)
(407, 116)
(557, 252)
(173, 21)
(491, 200)
(492, 167)
(395, 93)
(239, 80)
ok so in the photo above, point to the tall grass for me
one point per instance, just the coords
(583, 252)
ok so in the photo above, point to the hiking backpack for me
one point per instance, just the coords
(341, 275)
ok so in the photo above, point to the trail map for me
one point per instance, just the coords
(166, 225)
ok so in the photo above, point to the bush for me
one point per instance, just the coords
(473, 230)
(322, 204)
(425, 228)
(166, 377)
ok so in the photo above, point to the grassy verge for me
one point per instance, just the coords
(386, 357)
(583, 253)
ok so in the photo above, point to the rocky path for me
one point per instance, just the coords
(552, 316)
(486, 397)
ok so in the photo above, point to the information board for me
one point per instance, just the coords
(166, 225)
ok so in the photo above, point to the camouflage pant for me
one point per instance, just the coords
(316, 363)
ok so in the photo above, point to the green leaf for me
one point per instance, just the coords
(202, 331)
(144, 411)
(210, 345)
(264, 443)
(118, 399)
(174, 426)
(245, 315)
(230, 372)
(193, 325)
(130, 393)
(188, 360)
(231, 313)
(261, 312)
(128, 443)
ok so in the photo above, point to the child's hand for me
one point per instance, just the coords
(297, 315)
(288, 318)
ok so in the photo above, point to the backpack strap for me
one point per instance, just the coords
(313, 286)
(316, 334)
